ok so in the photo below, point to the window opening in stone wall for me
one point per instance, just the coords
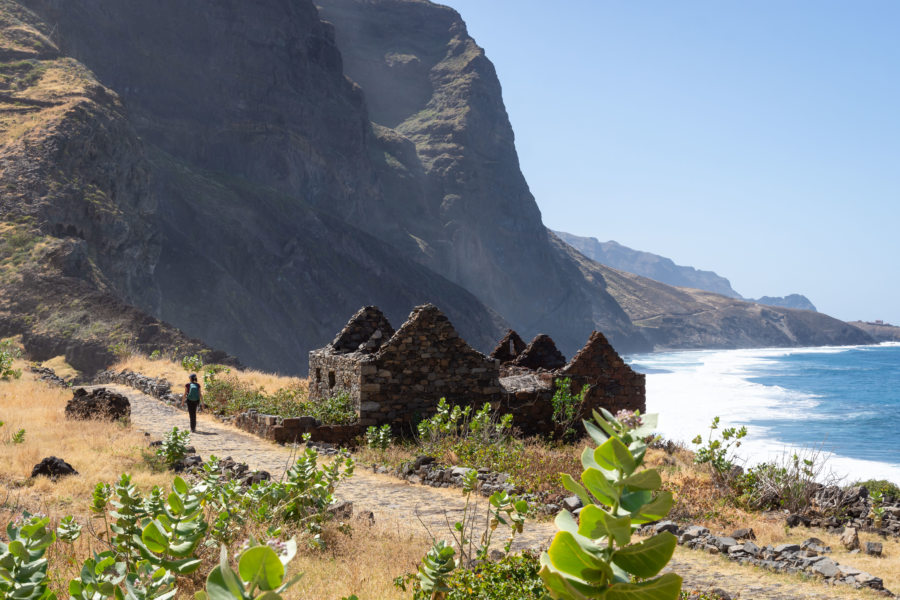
(331, 380)
(318, 375)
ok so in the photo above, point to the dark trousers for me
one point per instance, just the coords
(192, 411)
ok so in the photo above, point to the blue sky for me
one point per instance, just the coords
(759, 139)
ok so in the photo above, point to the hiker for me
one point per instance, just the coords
(192, 397)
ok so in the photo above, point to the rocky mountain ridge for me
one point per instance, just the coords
(252, 174)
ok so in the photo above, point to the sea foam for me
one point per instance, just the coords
(688, 389)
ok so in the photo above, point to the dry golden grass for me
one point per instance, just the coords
(99, 451)
(61, 367)
(174, 373)
(364, 563)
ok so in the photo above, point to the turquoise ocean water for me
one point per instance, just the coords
(844, 400)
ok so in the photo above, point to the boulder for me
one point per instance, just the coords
(850, 538)
(53, 468)
(99, 404)
(873, 548)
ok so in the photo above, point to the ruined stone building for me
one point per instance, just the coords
(398, 377)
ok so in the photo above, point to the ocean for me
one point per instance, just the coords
(844, 401)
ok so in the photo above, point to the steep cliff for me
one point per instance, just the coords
(452, 161)
(258, 156)
(76, 212)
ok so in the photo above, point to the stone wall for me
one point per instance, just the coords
(424, 361)
(291, 430)
(614, 385)
(333, 374)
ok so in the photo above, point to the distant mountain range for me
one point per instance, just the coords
(664, 270)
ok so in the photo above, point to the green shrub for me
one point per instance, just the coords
(594, 557)
(379, 438)
(567, 407)
(718, 453)
(23, 568)
(192, 364)
(227, 395)
(174, 446)
(482, 439)
(884, 486)
(9, 352)
(789, 482)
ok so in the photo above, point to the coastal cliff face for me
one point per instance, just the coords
(437, 103)
(646, 264)
(212, 166)
(255, 161)
(684, 318)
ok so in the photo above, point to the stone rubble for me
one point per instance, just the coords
(48, 375)
(54, 468)
(836, 509)
(808, 557)
(98, 404)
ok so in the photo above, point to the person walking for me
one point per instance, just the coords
(192, 397)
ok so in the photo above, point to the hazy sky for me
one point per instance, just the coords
(757, 139)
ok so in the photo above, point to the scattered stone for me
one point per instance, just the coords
(54, 468)
(342, 511)
(572, 503)
(665, 526)
(49, 376)
(99, 404)
(743, 534)
(873, 548)
(826, 568)
(850, 538)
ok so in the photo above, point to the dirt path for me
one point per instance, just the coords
(390, 498)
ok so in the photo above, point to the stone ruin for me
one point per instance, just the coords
(398, 377)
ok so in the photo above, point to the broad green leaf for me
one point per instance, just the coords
(561, 588)
(635, 500)
(587, 459)
(614, 455)
(597, 484)
(657, 509)
(180, 486)
(576, 488)
(645, 480)
(569, 557)
(154, 537)
(261, 565)
(649, 557)
(216, 586)
(596, 433)
(667, 587)
(566, 522)
(176, 503)
(595, 522)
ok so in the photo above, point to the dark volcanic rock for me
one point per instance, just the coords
(53, 468)
(98, 404)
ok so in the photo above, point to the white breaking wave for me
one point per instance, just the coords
(688, 389)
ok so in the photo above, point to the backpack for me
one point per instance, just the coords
(193, 394)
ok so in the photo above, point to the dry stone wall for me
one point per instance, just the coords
(424, 361)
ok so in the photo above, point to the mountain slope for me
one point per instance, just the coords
(672, 317)
(255, 157)
(648, 265)
(459, 191)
